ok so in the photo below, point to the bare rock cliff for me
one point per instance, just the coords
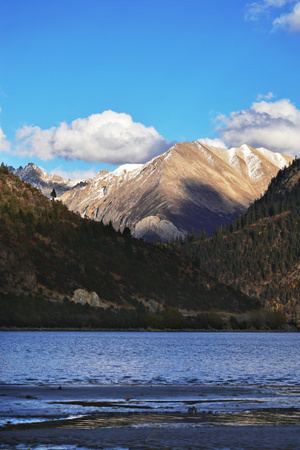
(81, 296)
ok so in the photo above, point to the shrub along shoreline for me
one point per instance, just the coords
(31, 313)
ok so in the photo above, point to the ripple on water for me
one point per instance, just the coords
(149, 358)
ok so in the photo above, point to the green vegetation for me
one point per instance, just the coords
(48, 252)
(27, 311)
(53, 194)
(259, 252)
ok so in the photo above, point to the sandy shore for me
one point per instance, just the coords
(142, 417)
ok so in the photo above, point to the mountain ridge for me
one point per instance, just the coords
(37, 177)
(190, 186)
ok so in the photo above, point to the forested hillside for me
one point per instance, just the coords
(259, 253)
(48, 252)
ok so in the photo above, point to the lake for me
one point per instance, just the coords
(92, 385)
(149, 358)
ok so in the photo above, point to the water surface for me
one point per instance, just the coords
(149, 358)
(54, 386)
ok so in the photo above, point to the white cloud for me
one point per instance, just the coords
(256, 9)
(212, 142)
(108, 137)
(267, 96)
(290, 21)
(74, 174)
(4, 144)
(274, 125)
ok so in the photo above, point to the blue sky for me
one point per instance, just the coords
(87, 85)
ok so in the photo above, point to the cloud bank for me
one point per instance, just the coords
(273, 125)
(108, 137)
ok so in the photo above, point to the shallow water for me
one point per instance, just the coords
(148, 383)
(101, 358)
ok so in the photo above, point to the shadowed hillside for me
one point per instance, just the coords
(260, 252)
(50, 253)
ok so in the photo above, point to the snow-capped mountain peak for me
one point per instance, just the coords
(192, 185)
(40, 179)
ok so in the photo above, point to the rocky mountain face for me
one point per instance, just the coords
(191, 186)
(42, 180)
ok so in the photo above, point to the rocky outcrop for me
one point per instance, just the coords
(152, 227)
(81, 296)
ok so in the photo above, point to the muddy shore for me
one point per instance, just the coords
(142, 417)
(152, 437)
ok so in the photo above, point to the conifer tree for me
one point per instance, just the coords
(53, 194)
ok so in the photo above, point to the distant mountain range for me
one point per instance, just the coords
(191, 186)
(42, 180)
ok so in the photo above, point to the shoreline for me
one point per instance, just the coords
(288, 329)
(147, 417)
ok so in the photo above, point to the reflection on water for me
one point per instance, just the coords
(267, 417)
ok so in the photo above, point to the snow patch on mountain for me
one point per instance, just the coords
(126, 168)
(254, 166)
(276, 158)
